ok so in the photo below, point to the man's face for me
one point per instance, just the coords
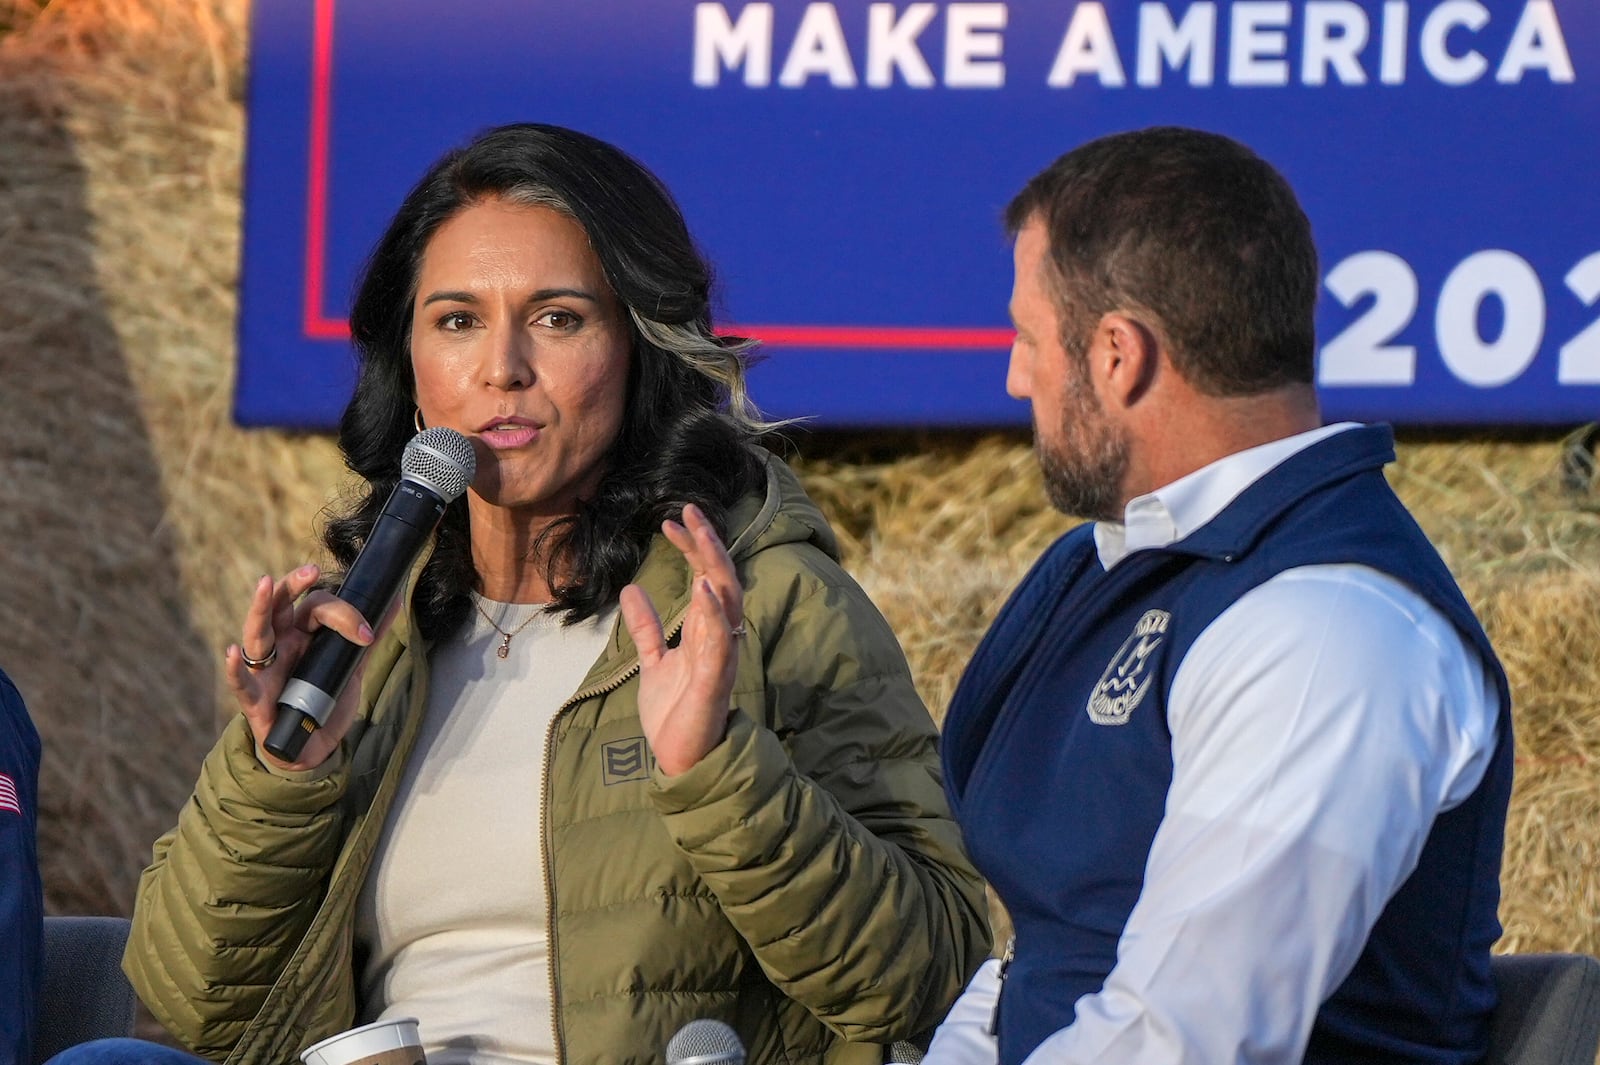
(1082, 453)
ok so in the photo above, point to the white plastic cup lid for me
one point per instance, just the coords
(394, 1034)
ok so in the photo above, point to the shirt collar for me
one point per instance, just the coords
(1173, 511)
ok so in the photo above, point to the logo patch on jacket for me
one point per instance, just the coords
(9, 801)
(625, 760)
(1128, 675)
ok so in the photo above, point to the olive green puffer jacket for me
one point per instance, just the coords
(804, 882)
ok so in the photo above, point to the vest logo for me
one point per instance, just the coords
(1128, 675)
(626, 760)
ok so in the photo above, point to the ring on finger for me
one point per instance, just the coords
(258, 663)
(738, 631)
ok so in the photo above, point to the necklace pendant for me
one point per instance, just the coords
(504, 650)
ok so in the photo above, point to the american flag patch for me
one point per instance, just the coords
(8, 795)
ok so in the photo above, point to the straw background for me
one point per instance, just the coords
(134, 516)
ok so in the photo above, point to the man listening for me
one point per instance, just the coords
(1236, 755)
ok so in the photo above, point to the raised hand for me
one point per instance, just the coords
(684, 691)
(277, 630)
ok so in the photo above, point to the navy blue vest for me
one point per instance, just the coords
(1059, 811)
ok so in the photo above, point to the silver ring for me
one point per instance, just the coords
(258, 663)
(738, 631)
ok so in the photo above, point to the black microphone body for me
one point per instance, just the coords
(438, 466)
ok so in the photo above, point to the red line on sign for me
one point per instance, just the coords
(313, 323)
(874, 336)
(317, 326)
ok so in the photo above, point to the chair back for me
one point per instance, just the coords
(1549, 1011)
(84, 994)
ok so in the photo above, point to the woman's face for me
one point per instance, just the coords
(518, 342)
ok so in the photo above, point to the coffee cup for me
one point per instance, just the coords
(391, 1042)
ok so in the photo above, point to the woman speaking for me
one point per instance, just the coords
(633, 751)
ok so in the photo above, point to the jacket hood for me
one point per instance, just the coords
(781, 514)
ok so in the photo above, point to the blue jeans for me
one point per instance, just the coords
(124, 1052)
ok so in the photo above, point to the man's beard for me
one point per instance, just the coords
(1086, 463)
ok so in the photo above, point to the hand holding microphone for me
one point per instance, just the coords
(323, 637)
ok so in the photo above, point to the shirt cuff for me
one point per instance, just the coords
(964, 1037)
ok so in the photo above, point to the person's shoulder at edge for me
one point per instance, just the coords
(21, 891)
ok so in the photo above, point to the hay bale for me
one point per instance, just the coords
(134, 517)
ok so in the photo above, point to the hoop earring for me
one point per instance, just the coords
(416, 420)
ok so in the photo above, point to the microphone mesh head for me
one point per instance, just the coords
(442, 459)
(705, 1042)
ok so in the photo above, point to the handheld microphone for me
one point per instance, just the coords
(436, 467)
(705, 1042)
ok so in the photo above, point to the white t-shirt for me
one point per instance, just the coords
(451, 922)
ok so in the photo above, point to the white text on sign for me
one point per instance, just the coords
(1362, 353)
(1259, 43)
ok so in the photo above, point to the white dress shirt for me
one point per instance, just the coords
(1319, 725)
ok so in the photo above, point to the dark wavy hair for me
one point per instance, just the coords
(1196, 234)
(687, 422)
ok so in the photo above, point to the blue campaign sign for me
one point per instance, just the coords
(845, 166)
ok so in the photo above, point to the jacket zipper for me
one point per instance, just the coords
(611, 684)
(1005, 963)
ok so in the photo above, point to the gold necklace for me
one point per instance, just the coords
(504, 650)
